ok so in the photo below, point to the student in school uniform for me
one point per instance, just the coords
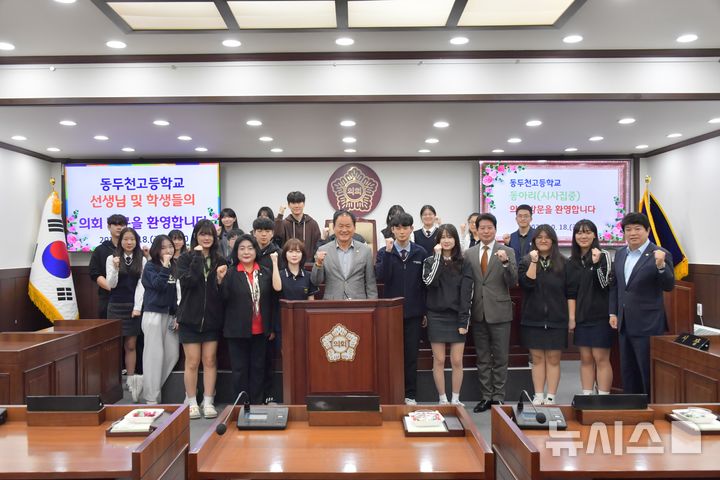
(399, 267)
(426, 236)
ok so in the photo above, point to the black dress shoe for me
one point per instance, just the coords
(482, 406)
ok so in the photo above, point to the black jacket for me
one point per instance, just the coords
(403, 279)
(160, 295)
(589, 284)
(201, 306)
(97, 265)
(239, 306)
(544, 298)
(443, 286)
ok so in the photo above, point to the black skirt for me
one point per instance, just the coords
(131, 326)
(443, 327)
(601, 335)
(541, 338)
(188, 334)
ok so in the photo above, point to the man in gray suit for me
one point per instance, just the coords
(489, 270)
(345, 266)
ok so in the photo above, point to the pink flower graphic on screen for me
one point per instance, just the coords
(85, 248)
(74, 241)
(494, 172)
(70, 219)
(613, 231)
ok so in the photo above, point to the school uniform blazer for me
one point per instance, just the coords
(638, 301)
(487, 296)
(360, 281)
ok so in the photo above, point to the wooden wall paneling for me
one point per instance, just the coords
(85, 291)
(4, 388)
(707, 291)
(66, 376)
(8, 321)
(110, 361)
(667, 382)
(680, 307)
(92, 370)
(700, 388)
(38, 380)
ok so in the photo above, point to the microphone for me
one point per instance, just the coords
(539, 416)
(222, 427)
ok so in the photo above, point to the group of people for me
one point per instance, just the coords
(228, 283)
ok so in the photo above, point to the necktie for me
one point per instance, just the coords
(427, 233)
(403, 255)
(484, 259)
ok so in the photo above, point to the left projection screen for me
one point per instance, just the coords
(155, 198)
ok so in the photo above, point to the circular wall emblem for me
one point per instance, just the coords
(354, 187)
(340, 344)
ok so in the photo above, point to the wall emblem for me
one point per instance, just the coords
(354, 187)
(340, 344)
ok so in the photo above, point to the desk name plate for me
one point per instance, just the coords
(693, 341)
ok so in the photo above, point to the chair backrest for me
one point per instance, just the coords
(364, 227)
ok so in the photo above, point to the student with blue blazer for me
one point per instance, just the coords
(643, 271)
(399, 267)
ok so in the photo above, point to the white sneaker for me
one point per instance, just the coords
(538, 400)
(194, 412)
(458, 403)
(410, 401)
(549, 401)
(209, 411)
(443, 402)
(134, 383)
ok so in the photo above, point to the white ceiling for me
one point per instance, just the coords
(45, 28)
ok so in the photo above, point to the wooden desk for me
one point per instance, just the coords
(33, 452)
(681, 374)
(304, 452)
(73, 357)
(528, 455)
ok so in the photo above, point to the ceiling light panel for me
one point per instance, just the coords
(170, 15)
(494, 13)
(284, 14)
(399, 13)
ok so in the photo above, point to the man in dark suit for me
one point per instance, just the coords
(642, 272)
(489, 271)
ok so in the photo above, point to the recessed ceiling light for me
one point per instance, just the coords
(128, 149)
(254, 123)
(276, 150)
(686, 38)
(68, 123)
(533, 123)
(231, 43)
(459, 40)
(201, 149)
(53, 149)
(596, 138)
(102, 138)
(424, 150)
(514, 140)
(714, 120)
(674, 135)
(573, 39)
(266, 139)
(65, 1)
(349, 140)
(348, 123)
(344, 41)
(642, 146)
(498, 150)
(19, 138)
(161, 123)
(116, 44)
(626, 121)
(431, 140)
(350, 150)
(441, 124)
(6, 46)
(185, 138)
(571, 149)
(52, 68)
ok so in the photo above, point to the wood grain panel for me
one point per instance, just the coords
(4, 388)
(92, 362)
(667, 384)
(38, 381)
(707, 291)
(699, 388)
(66, 376)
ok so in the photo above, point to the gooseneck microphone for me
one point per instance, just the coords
(222, 427)
(539, 416)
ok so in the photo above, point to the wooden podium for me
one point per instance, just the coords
(342, 347)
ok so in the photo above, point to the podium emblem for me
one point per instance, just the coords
(340, 344)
